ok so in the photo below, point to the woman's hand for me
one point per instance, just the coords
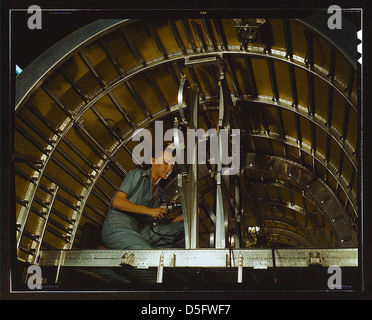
(158, 213)
(178, 219)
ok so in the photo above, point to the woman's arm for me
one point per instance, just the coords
(122, 203)
(178, 219)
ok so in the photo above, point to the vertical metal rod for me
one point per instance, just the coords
(108, 181)
(292, 80)
(90, 138)
(350, 185)
(132, 48)
(270, 146)
(64, 187)
(46, 216)
(214, 77)
(69, 172)
(195, 26)
(24, 175)
(292, 197)
(33, 141)
(185, 208)
(121, 109)
(340, 168)
(195, 79)
(221, 34)
(194, 175)
(272, 75)
(114, 61)
(309, 60)
(346, 122)
(329, 107)
(60, 262)
(53, 96)
(73, 163)
(298, 128)
(159, 275)
(251, 77)
(94, 209)
(107, 196)
(102, 119)
(288, 39)
(311, 94)
(155, 37)
(328, 148)
(171, 71)
(222, 205)
(263, 121)
(138, 100)
(350, 84)
(332, 63)
(189, 37)
(42, 118)
(313, 145)
(208, 32)
(157, 90)
(78, 152)
(92, 68)
(233, 77)
(176, 36)
(326, 174)
(237, 213)
(74, 85)
(240, 269)
(30, 124)
(62, 216)
(280, 122)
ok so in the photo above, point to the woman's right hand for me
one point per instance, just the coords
(158, 213)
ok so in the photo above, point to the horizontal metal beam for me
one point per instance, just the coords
(215, 258)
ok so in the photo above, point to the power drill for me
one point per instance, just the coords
(170, 206)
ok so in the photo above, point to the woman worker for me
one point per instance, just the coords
(127, 224)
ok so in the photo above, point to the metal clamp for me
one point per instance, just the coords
(315, 258)
(184, 96)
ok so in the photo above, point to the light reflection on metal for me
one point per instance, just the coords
(346, 236)
(198, 258)
(188, 182)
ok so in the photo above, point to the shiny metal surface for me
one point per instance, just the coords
(173, 258)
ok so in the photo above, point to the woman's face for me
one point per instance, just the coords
(165, 164)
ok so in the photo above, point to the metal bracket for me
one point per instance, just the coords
(189, 62)
(127, 258)
(60, 262)
(240, 269)
(315, 258)
(159, 276)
